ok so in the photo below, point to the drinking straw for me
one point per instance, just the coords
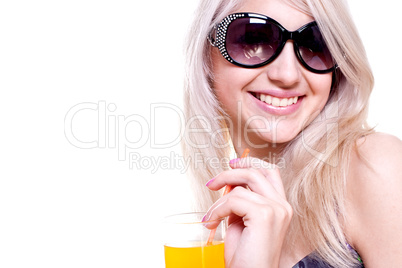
(228, 188)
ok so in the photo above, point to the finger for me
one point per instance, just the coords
(269, 170)
(237, 203)
(254, 179)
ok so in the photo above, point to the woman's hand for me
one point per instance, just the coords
(258, 211)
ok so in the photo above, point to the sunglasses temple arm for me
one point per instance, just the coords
(212, 36)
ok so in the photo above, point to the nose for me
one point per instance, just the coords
(285, 70)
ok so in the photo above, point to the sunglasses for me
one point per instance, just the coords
(252, 40)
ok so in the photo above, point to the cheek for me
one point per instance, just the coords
(320, 86)
(221, 70)
(226, 88)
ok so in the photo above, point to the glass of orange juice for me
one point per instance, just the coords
(186, 242)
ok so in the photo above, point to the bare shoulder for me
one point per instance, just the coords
(376, 162)
(376, 166)
(374, 199)
(379, 150)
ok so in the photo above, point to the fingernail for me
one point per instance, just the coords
(204, 218)
(234, 160)
(209, 182)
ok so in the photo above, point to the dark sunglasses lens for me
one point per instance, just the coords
(252, 41)
(313, 49)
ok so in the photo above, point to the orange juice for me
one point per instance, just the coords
(194, 256)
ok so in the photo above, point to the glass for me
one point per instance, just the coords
(252, 40)
(186, 239)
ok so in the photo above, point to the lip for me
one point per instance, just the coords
(274, 110)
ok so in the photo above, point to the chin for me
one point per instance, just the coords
(261, 140)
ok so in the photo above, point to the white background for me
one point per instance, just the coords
(65, 206)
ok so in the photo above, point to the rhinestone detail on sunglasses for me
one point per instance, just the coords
(219, 42)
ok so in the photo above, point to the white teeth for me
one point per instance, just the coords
(268, 99)
(275, 101)
(283, 102)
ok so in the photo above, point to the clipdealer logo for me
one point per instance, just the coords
(113, 130)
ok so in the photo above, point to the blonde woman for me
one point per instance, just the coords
(290, 81)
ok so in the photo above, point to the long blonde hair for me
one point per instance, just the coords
(317, 159)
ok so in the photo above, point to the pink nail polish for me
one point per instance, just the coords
(209, 182)
(234, 160)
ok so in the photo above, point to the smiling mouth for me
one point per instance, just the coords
(275, 101)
